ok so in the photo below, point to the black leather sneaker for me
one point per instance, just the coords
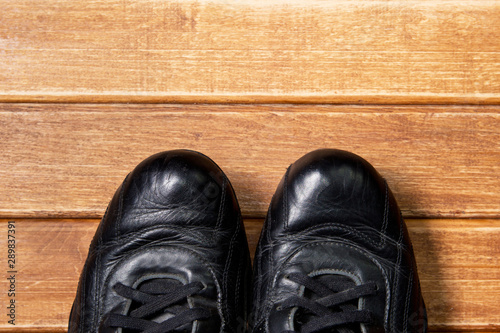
(170, 254)
(334, 254)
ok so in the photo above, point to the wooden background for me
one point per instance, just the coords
(89, 89)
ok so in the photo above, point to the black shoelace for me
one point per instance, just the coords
(154, 298)
(333, 305)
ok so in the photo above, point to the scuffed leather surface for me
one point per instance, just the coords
(336, 203)
(175, 215)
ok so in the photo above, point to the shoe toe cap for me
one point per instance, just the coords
(332, 186)
(175, 187)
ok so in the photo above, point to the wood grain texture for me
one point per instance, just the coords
(64, 160)
(458, 261)
(361, 51)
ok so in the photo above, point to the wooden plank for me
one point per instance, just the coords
(361, 51)
(459, 265)
(458, 261)
(64, 160)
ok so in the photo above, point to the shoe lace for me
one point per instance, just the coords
(156, 297)
(333, 306)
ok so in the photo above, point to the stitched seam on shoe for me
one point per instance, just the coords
(413, 265)
(268, 306)
(147, 246)
(386, 215)
(220, 214)
(259, 268)
(334, 225)
(264, 301)
(154, 245)
(339, 242)
(407, 305)
(238, 282)
(396, 278)
(133, 235)
(97, 294)
(268, 303)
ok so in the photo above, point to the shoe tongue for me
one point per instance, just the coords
(161, 287)
(337, 283)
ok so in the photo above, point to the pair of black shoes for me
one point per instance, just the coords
(171, 255)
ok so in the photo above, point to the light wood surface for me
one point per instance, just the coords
(418, 82)
(417, 51)
(458, 261)
(65, 160)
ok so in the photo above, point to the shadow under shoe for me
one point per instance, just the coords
(170, 254)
